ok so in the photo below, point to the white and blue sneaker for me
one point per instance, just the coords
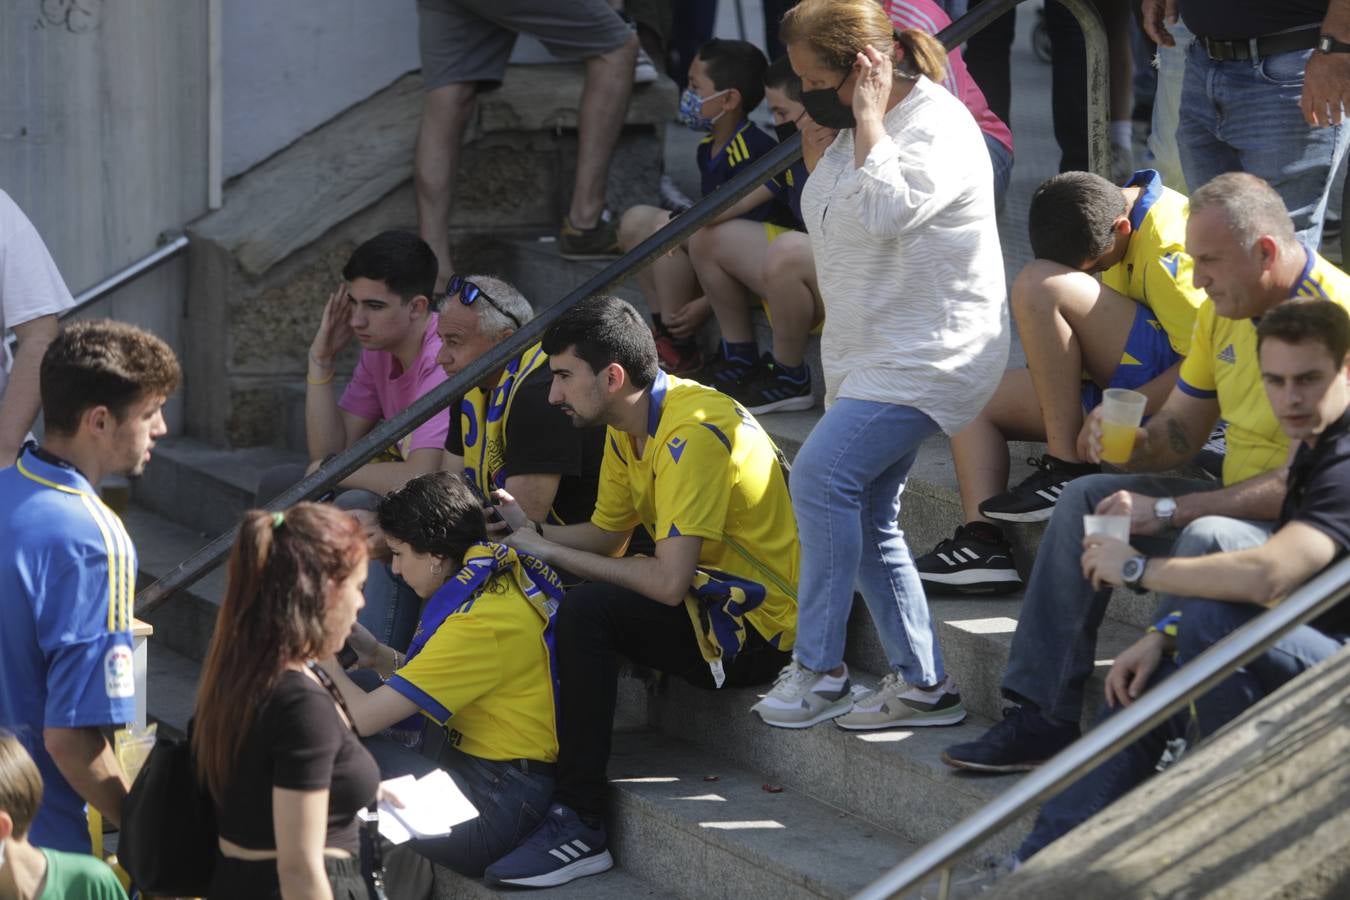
(561, 849)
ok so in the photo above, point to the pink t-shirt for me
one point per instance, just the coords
(379, 389)
(926, 15)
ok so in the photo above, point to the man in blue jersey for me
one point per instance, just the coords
(68, 569)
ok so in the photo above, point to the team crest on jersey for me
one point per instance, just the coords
(119, 677)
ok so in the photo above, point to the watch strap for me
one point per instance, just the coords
(1328, 44)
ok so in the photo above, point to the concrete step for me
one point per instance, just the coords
(184, 624)
(695, 820)
(976, 637)
(171, 686)
(616, 884)
(893, 778)
(202, 487)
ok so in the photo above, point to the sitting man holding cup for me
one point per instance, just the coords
(1248, 261)
(1302, 348)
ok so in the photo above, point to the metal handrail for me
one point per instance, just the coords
(122, 277)
(1152, 708)
(681, 227)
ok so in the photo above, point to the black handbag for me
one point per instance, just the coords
(167, 841)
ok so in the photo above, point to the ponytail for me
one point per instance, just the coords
(273, 614)
(921, 54)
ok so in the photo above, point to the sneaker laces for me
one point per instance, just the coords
(792, 681)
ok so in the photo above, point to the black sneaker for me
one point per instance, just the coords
(1034, 499)
(969, 564)
(727, 374)
(598, 242)
(1019, 743)
(769, 390)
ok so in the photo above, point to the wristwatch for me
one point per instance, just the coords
(1328, 44)
(1164, 508)
(1132, 573)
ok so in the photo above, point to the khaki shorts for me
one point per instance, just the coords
(471, 40)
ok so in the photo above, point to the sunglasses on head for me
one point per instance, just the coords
(469, 293)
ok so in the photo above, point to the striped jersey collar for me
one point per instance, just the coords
(715, 151)
(1307, 285)
(656, 399)
(1151, 184)
(46, 468)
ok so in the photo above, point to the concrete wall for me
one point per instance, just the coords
(103, 139)
(288, 67)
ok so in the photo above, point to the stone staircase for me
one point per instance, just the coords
(701, 788)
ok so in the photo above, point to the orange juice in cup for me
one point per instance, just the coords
(1122, 411)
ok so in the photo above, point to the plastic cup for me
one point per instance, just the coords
(1117, 527)
(1122, 411)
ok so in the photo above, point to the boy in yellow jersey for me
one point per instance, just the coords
(1108, 302)
(1248, 261)
(716, 603)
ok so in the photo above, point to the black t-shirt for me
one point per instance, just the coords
(541, 440)
(1229, 20)
(298, 742)
(1318, 494)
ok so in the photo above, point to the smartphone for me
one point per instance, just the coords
(346, 657)
(491, 511)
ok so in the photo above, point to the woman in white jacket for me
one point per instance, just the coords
(900, 209)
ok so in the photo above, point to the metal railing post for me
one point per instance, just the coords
(1098, 84)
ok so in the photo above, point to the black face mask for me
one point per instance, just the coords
(825, 108)
(785, 130)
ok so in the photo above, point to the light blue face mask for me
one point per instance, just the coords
(691, 109)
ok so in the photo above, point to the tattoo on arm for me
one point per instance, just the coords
(1177, 439)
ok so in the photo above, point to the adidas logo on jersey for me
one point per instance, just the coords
(1227, 355)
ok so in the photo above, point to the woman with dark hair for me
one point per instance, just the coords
(482, 654)
(900, 210)
(287, 773)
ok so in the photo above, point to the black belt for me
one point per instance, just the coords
(1261, 47)
(533, 766)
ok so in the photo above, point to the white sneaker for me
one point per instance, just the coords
(895, 704)
(800, 698)
(644, 70)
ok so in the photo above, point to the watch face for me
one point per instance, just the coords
(1133, 568)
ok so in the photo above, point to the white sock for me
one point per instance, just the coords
(1122, 133)
(832, 682)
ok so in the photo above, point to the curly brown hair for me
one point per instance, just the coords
(100, 362)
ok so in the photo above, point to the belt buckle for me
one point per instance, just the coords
(1222, 51)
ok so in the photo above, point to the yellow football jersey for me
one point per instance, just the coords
(708, 470)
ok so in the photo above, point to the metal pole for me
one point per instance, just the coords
(681, 227)
(1098, 84)
(1165, 698)
(436, 400)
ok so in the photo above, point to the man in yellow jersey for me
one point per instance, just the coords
(1128, 328)
(504, 433)
(68, 570)
(1248, 261)
(715, 604)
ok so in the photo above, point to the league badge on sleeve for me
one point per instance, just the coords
(119, 678)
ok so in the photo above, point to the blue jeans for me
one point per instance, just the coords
(1053, 650)
(510, 803)
(1001, 158)
(1203, 624)
(846, 484)
(1245, 117)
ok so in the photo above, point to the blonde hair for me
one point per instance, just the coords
(20, 783)
(837, 30)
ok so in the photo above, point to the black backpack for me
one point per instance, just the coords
(167, 841)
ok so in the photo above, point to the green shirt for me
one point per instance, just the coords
(74, 876)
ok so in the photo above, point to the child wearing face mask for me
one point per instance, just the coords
(742, 263)
(725, 84)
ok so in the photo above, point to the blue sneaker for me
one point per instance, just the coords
(1019, 743)
(562, 848)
